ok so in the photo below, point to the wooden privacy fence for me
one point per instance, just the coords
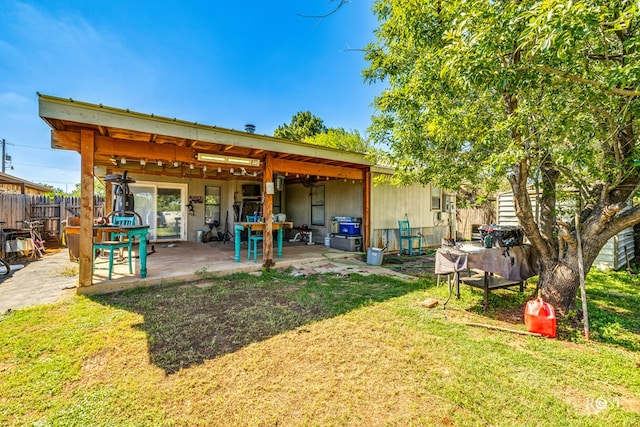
(51, 211)
(469, 219)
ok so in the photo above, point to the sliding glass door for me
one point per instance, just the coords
(161, 206)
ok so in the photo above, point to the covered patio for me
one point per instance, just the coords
(163, 151)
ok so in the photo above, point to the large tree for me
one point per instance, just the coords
(341, 139)
(303, 125)
(544, 93)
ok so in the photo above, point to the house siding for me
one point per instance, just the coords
(611, 256)
(391, 203)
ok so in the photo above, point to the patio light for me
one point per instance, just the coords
(205, 157)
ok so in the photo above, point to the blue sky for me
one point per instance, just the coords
(222, 63)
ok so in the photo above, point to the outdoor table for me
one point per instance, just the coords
(131, 231)
(513, 264)
(259, 226)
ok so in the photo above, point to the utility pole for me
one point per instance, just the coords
(5, 157)
(3, 153)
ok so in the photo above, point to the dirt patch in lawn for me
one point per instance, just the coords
(189, 323)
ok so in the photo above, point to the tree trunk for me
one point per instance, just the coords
(559, 282)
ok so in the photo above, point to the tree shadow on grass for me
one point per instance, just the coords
(190, 323)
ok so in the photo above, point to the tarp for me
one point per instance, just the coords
(513, 263)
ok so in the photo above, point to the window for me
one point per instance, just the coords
(436, 198)
(317, 205)
(212, 202)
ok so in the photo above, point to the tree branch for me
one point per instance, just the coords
(617, 58)
(612, 90)
(581, 185)
(342, 3)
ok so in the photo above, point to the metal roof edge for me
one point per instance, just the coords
(99, 115)
(386, 170)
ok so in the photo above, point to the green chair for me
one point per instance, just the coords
(253, 238)
(254, 242)
(118, 241)
(406, 236)
(111, 246)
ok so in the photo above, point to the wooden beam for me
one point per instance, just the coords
(366, 211)
(106, 147)
(304, 168)
(65, 140)
(108, 195)
(267, 213)
(144, 150)
(85, 258)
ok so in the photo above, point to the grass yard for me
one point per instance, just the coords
(274, 349)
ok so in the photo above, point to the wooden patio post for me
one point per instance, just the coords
(85, 258)
(267, 213)
(108, 195)
(366, 210)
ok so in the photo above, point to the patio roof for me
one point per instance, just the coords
(136, 137)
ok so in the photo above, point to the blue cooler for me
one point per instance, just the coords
(350, 228)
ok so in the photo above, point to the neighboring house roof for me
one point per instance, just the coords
(10, 181)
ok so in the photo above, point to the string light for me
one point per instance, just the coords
(160, 163)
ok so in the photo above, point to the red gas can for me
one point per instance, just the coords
(540, 318)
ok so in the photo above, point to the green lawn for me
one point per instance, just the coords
(273, 349)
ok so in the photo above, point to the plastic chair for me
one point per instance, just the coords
(406, 236)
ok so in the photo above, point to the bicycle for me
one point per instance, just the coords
(7, 269)
(38, 250)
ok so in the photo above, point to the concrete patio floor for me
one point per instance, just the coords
(55, 276)
(182, 261)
